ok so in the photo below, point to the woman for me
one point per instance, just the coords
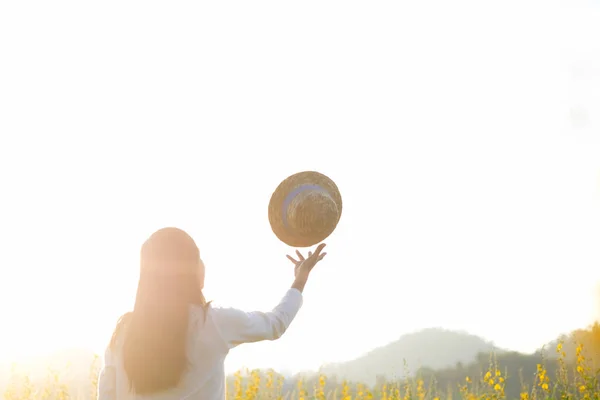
(173, 345)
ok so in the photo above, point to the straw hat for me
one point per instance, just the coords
(305, 209)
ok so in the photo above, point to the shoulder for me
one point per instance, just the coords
(120, 327)
(116, 340)
(218, 316)
(224, 316)
(213, 324)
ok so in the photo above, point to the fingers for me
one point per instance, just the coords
(317, 256)
(312, 257)
(319, 249)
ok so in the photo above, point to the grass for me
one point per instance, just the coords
(572, 382)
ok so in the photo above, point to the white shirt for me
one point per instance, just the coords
(210, 340)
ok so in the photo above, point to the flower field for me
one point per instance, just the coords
(576, 380)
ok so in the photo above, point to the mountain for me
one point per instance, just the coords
(433, 348)
(589, 338)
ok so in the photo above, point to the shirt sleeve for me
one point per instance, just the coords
(107, 380)
(237, 326)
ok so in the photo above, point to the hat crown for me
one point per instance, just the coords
(310, 213)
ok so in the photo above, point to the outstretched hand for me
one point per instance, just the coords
(303, 266)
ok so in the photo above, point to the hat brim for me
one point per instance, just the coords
(276, 205)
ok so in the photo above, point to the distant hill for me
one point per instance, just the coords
(589, 338)
(513, 366)
(432, 348)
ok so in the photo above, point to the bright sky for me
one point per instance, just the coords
(463, 135)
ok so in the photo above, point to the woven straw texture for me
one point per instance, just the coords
(305, 209)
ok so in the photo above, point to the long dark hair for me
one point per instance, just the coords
(155, 334)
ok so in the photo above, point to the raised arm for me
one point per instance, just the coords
(237, 326)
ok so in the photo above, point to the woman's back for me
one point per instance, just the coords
(213, 331)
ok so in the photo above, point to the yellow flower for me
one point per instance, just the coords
(270, 376)
(582, 388)
(497, 387)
